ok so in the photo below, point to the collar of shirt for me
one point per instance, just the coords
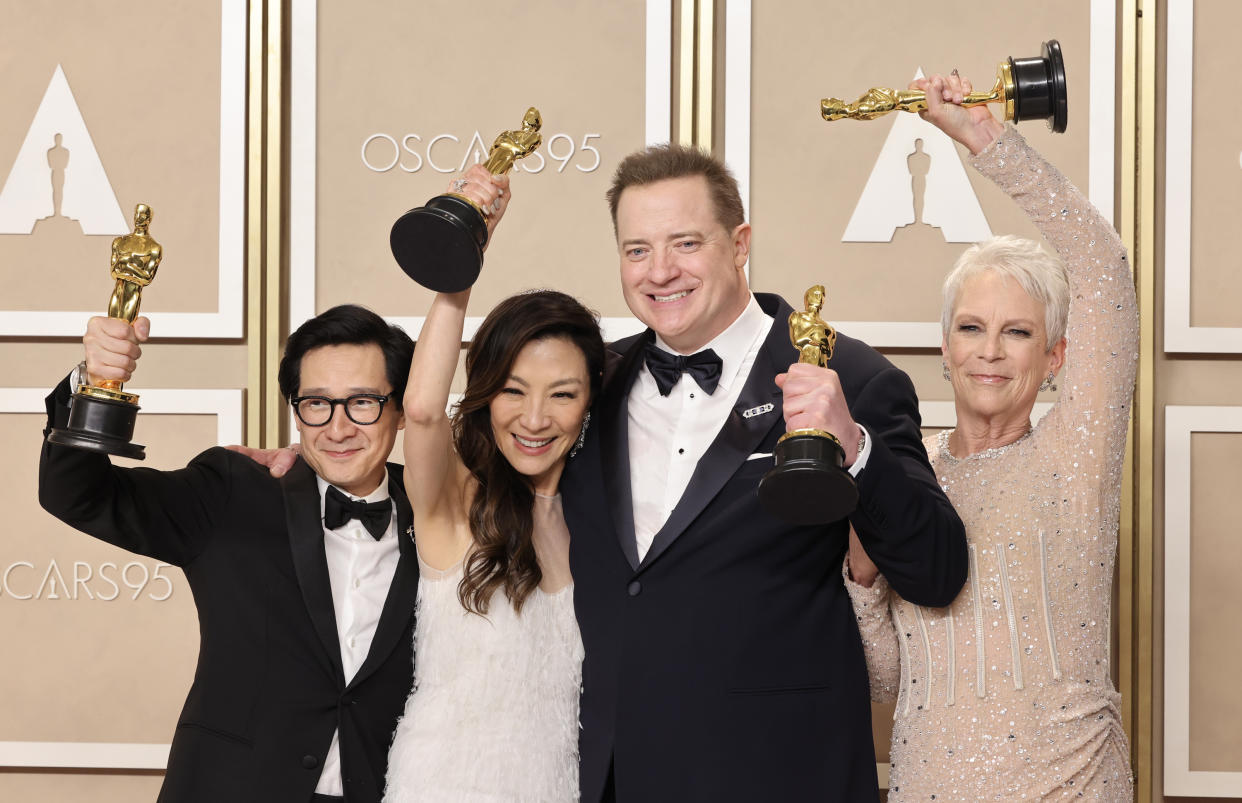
(378, 495)
(732, 346)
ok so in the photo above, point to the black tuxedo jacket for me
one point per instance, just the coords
(726, 665)
(269, 689)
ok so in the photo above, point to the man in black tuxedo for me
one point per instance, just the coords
(305, 585)
(722, 658)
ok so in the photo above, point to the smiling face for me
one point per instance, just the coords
(537, 415)
(681, 269)
(348, 455)
(997, 351)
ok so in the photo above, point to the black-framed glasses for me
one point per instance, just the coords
(361, 408)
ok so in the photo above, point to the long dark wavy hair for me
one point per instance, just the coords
(500, 513)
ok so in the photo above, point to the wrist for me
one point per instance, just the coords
(986, 134)
(859, 443)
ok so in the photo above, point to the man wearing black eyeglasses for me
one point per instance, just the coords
(305, 585)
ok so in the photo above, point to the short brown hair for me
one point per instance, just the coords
(670, 160)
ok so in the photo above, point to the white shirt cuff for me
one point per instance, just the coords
(863, 454)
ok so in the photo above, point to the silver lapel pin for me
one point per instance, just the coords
(760, 410)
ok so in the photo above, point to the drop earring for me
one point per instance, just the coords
(586, 422)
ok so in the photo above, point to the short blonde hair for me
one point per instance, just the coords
(1041, 274)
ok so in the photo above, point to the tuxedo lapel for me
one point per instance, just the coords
(399, 604)
(302, 518)
(740, 434)
(615, 442)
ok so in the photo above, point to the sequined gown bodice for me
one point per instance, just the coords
(1006, 694)
(494, 711)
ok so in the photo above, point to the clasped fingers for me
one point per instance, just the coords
(813, 399)
(112, 349)
(488, 192)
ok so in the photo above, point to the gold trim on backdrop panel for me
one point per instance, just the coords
(264, 254)
(695, 52)
(1144, 444)
(1127, 167)
(274, 49)
(254, 227)
(686, 32)
(704, 78)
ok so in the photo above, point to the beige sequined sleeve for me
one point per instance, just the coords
(1091, 413)
(879, 638)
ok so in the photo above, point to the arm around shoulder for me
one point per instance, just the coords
(879, 637)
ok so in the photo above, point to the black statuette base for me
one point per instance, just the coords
(1039, 87)
(808, 484)
(440, 245)
(100, 425)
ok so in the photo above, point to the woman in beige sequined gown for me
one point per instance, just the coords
(1006, 694)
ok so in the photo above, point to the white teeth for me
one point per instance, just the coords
(532, 444)
(673, 297)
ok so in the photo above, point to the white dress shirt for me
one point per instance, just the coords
(669, 434)
(360, 569)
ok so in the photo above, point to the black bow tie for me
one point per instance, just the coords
(339, 509)
(666, 369)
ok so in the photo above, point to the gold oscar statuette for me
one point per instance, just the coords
(102, 415)
(440, 245)
(808, 484)
(1029, 89)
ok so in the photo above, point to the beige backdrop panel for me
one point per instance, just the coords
(1215, 742)
(1216, 199)
(1215, 599)
(148, 89)
(103, 786)
(807, 174)
(93, 669)
(416, 71)
(177, 364)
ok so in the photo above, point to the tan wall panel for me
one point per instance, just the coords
(1216, 380)
(76, 787)
(148, 89)
(165, 365)
(94, 669)
(430, 69)
(1216, 282)
(807, 175)
(1215, 599)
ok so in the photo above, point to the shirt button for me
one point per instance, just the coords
(635, 588)
(681, 451)
(357, 582)
(310, 762)
(352, 642)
